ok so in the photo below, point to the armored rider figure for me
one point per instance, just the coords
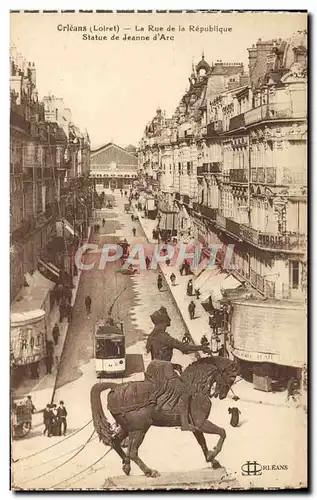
(161, 345)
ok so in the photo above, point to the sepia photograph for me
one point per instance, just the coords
(158, 250)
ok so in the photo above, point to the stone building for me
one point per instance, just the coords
(50, 200)
(113, 167)
(232, 161)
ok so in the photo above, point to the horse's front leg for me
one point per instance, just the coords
(210, 428)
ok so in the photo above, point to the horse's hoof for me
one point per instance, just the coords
(126, 469)
(153, 473)
(215, 464)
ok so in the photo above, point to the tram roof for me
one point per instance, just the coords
(108, 331)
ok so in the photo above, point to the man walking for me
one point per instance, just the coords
(55, 333)
(62, 415)
(88, 305)
(134, 232)
(69, 313)
(173, 279)
(159, 282)
(47, 420)
(49, 356)
(190, 288)
(29, 404)
(191, 310)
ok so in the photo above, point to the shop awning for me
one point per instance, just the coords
(267, 331)
(197, 271)
(231, 283)
(33, 296)
(49, 267)
(212, 287)
(62, 226)
(205, 276)
(215, 284)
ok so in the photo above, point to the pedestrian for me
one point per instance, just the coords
(49, 356)
(187, 267)
(88, 304)
(197, 293)
(191, 310)
(159, 282)
(186, 339)
(147, 262)
(213, 324)
(121, 192)
(47, 420)
(173, 279)
(134, 232)
(204, 341)
(55, 430)
(69, 313)
(55, 333)
(62, 311)
(181, 269)
(190, 288)
(62, 418)
(29, 404)
(132, 217)
(235, 412)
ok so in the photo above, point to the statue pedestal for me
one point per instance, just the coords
(204, 479)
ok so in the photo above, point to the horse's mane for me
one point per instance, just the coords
(200, 374)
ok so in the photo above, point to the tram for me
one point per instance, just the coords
(109, 346)
(109, 349)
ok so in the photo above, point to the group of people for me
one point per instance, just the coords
(55, 420)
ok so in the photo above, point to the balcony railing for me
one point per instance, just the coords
(272, 111)
(264, 175)
(237, 122)
(17, 120)
(214, 128)
(209, 213)
(209, 168)
(287, 241)
(238, 175)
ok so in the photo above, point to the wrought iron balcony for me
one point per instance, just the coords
(287, 241)
(17, 120)
(238, 175)
(209, 213)
(237, 122)
(273, 111)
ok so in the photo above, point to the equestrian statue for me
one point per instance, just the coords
(167, 397)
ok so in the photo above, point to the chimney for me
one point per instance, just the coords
(253, 52)
(33, 74)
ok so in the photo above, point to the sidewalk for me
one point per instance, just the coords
(42, 389)
(200, 325)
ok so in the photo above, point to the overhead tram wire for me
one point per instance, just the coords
(83, 471)
(52, 445)
(63, 463)
(56, 458)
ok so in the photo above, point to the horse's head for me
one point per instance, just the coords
(212, 376)
(225, 374)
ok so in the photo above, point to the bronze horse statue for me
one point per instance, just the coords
(136, 406)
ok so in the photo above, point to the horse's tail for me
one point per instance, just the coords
(101, 423)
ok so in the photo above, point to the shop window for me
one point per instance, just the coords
(294, 274)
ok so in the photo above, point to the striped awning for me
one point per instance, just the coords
(49, 267)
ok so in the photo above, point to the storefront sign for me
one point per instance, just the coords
(269, 333)
(256, 356)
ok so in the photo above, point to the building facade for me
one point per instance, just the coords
(113, 167)
(50, 206)
(233, 161)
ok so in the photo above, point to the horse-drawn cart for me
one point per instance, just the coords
(21, 420)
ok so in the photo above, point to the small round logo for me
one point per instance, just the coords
(251, 468)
